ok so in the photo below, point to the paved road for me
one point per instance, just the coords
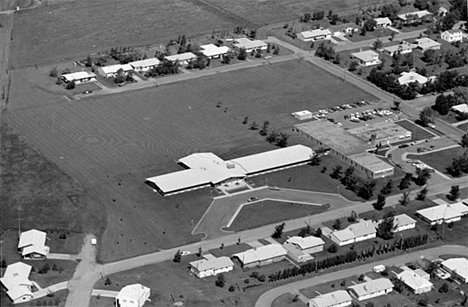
(267, 298)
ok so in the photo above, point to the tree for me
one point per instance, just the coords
(422, 194)
(177, 256)
(318, 233)
(405, 181)
(333, 248)
(89, 61)
(220, 281)
(422, 176)
(278, 231)
(387, 189)
(377, 44)
(271, 138)
(53, 72)
(444, 288)
(370, 24)
(315, 160)
(353, 217)
(264, 129)
(254, 126)
(337, 224)
(336, 173)
(70, 85)
(454, 193)
(304, 232)
(282, 140)
(366, 190)
(3, 264)
(361, 277)
(380, 203)
(396, 105)
(386, 228)
(277, 50)
(426, 116)
(353, 66)
(404, 199)
(464, 140)
(107, 282)
(200, 252)
(242, 56)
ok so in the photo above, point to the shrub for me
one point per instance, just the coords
(70, 85)
(332, 248)
(231, 288)
(261, 278)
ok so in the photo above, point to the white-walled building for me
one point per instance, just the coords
(415, 282)
(182, 58)
(414, 16)
(401, 48)
(452, 36)
(366, 58)
(132, 296)
(363, 230)
(425, 43)
(211, 266)
(79, 77)
(411, 77)
(371, 289)
(249, 45)
(460, 108)
(16, 282)
(309, 245)
(403, 222)
(261, 256)
(314, 35)
(214, 52)
(145, 65)
(383, 22)
(112, 70)
(457, 267)
(448, 213)
(296, 254)
(32, 245)
(338, 298)
(302, 115)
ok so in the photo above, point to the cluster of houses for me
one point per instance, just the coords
(211, 51)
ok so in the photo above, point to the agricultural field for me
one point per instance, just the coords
(110, 144)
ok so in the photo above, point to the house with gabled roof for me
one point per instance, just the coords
(145, 64)
(415, 282)
(366, 57)
(452, 36)
(457, 268)
(211, 266)
(314, 35)
(412, 77)
(383, 22)
(134, 295)
(307, 245)
(16, 282)
(212, 51)
(371, 289)
(79, 77)
(260, 256)
(113, 70)
(32, 246)
(447, 213)
(338, 298)
(363, 230)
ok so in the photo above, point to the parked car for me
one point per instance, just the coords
(185, 253)
(403, 146)
(251, 199)
(379, 268)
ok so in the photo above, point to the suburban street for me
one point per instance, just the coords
(267, 298)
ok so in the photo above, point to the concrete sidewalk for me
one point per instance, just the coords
(56, 256)
(104, 293)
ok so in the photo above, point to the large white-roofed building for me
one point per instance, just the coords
(132, 296)
(415, 282)
(457, 267)
(371, 289)
(145, 65)
(260, 256)
(207, 169)
(339, 298)
(79, 77)
(16, 282)
(447, 213)
(213, 52)
(249, 45)
(32, 245)
(211, 266)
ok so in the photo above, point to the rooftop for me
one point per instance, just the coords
(181, 57)
(314, 33)
(396, 48)
(213, 50)
(16, 280)
(306, 242)
(410, 77)
(366, 55)
(246, 43)
(331, 299)
(382, 131)
(357, 230)
(425, 43)
(461, 108)
(443, 212)
(32, 237)
(261, 253)
(419, 14)
(212, 263)
(371, 286)
(382, 20)
(145, 62)
(135, 291)
(370, 161)
(79, 75)
(413, 280)
(333, 137)
(459, 265)
(453, 31)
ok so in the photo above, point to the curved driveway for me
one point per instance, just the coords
(267, 298)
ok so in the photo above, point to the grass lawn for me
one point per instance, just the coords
(268, 212)
(52, 277)
(229, 250)
(287, 300)
(370, 35)
(463, 127)
(439, 160)
(418, 132)
(57, 299)
(463, 195)
(71, 245)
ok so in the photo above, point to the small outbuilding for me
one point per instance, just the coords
(302, 115)
(132, 296)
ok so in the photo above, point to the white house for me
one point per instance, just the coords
(338, 298)
(302, 115)
(344, 29)
(457, 267)
(363, 230)
(366, 58)
(460, 108)
(448, 213)
(249, 45)
(314, 35)
(426, 44)
(411, 77)
(112, 70)
(416, 283)
(414, 16)
(211, 266)
(145, 65)
(383, 22)
(403, 222)
(296, 254)
(182, 58)
(16, 282)
(371, 288)
(79, 77)
(401, 48)
(452, 36)
(261, 256)
(307, 245)
(132, 296)
(213, 52)
(32, 245)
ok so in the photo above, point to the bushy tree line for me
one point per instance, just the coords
(361, 187)
(459, 165)
(389, 83)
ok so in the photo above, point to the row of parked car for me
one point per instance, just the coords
(344, 107)
(368, 114)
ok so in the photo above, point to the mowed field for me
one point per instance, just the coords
(110, 144)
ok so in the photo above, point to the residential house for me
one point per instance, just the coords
(79, 77)
(366, 58)
(460, 108)
(425, 43)
(145, 65)
(457, 267)
(32, 245)
(338, 298)
(249, 45)
(452, 36)
(182, 58)
(363, 230)
(403, 222)
(383, 22)
(344, 29)
(16, 282)
(314, 35)
(260, 256)
(416, 283)
(395, 49)
(112, 70)
(296, 254)
(132, 296)
(211, 266)
(418, 16)
(371, 289)
(411, 77)
(448, 213)
(214, 52)
(309, 245)
(442, 11)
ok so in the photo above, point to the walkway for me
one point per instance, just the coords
(267, 298)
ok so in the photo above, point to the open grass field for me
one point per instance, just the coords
(287, 300)
(268, 212)
(418, 132)
(110, 144)
(439, 160)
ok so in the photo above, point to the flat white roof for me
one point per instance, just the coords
(459, 265)
(410, 77)
(315, 33)
(366, 55)
(145, 63)
(261, 253)
(462, 108)
(181, 57)
(246, 43)
(32, 237)
(426, 43)
(112, 69)
(134, 291)
(78, 75)
(419, 14)
(303, 112)
(383, 20)
(371, 162)
(443, 212)
(215, 51)
(331, 299)
(306, 242)
(371, 286)
(212, 263)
